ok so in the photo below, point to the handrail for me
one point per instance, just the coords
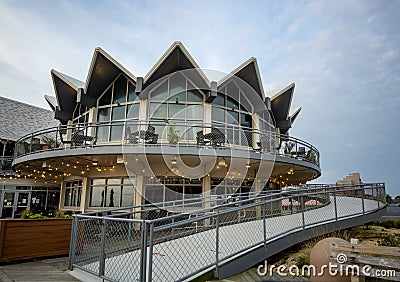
(134, 238)
(98, 134)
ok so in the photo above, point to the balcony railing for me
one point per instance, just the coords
(5, 164)
(144, 133)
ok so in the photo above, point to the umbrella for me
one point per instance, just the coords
(286, 202)
(312, 202)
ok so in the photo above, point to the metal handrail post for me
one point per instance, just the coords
(302, 212)
(378, 197)
(143, 252)
(334, 201)
(362, 200)
(102, 259)
(150, 255)
(216, 245)
(264, 224)
(72, 247)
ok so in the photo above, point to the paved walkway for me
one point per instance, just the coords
(54, 269)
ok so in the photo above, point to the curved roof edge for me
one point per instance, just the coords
(99, 50)
(240, 72)
(52, 101)
(295, 114)
(65, 88)
(70, 81)
(283, 90)
(163, 60)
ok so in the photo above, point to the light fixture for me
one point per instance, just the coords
(222, 162)
(248, 165)
(94, 163)
(173, 161)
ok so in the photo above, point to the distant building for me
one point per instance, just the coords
(353, 178)
(18, 192)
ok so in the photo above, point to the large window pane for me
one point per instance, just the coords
(128, 196)
(177, 87)
(160, 93)
(114, 196)
(232, 103)
(106, 98)
(219, 100)
(120, 90)
(194, 112)
(97, 196)
(118, 113)
(193, 95)
(116, 132)
(176, 111)
(104, 114)
(131, 92)
(158, 110)
(218, 114)
(232, 117)
(132, 111)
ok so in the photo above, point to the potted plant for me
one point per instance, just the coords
(48, 142)
(173, 137)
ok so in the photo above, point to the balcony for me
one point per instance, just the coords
(152, 134)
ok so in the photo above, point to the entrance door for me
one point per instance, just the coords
(8, 204)
(22, 202)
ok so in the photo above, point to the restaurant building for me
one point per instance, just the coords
(171, 135)
(19, 192)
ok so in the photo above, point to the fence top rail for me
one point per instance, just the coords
(249, 197)
(228, 207)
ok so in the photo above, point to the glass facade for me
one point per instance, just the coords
(231, 109)
(16, 198)
(118, 103)
(73, 193)
(112, 192)
(164, 189)
(176, 101)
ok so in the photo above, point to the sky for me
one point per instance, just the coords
(343, 56)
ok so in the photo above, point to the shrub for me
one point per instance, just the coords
(389, 241)
(390, 223)
(302, 260)
(26, 213)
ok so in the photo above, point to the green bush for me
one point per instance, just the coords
(389, 241)
(390, 223)
(302, 260)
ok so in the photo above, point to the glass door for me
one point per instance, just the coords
(22, 202)
(8, 205)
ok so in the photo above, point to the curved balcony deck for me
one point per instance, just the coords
(90, 138)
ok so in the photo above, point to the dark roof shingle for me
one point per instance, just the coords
(18, 119)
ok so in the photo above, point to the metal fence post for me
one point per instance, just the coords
(143, 251)
(216, 245)
(378, 197)
(151, 241)
(334, 201)
(302, 212)
(102, 258)
(362, 200)
(72, 246)
(264, 224)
